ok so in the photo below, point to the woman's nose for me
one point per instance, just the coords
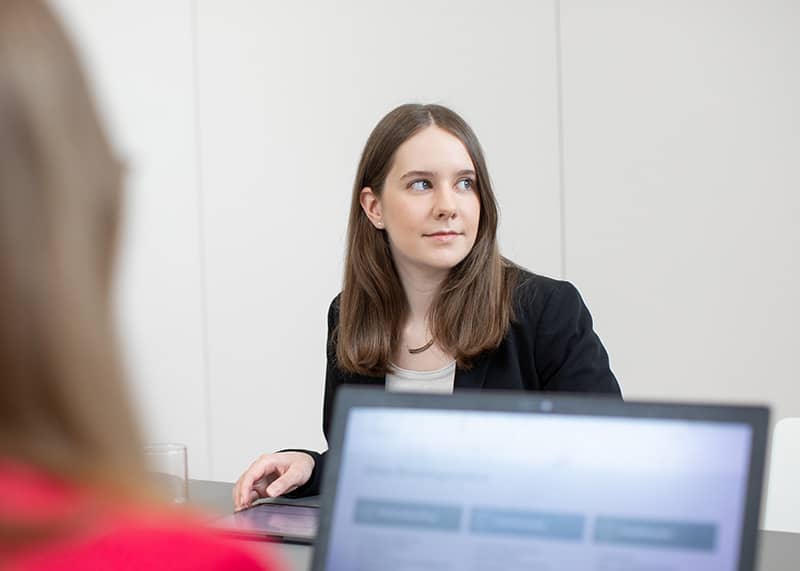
(445, 213)
(444, 207)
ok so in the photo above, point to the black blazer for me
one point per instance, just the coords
(550, 346)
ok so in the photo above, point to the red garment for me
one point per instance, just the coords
(87, 532)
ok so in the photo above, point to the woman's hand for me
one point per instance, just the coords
(272, 475)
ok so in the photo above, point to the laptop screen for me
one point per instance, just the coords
(421, 488)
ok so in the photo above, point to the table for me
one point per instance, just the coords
(779, 551)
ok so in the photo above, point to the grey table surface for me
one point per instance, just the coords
(778, 551)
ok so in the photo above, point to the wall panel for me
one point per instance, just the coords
(682, 140)
(140, 60)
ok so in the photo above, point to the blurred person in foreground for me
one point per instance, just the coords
(71, 467)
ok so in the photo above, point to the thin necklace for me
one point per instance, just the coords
(421, 349)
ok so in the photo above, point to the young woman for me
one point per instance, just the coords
(71, 465)
(428, 302)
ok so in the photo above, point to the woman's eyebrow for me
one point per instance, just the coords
(431, 174)
(428, 174)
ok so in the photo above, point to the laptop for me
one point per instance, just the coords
(513, 481)
(282, 520)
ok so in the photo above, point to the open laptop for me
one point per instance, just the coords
(513, 481)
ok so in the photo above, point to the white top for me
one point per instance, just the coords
(405, 381)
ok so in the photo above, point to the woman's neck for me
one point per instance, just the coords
(421, 287)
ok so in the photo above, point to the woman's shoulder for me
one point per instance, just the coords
(158, 542)
(142, 539)
(113, 533)
(542, 301)
(537, 290)
(137, 543)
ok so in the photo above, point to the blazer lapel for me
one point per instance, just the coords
(473, 378)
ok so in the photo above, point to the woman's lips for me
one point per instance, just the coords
(446, 236)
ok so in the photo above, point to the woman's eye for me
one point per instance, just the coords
(465, 184)
(420, 185)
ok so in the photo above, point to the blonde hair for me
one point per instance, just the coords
(472, 310)
(63, 403)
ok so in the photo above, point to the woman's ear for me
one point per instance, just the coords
(371, 205)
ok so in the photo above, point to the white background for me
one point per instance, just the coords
(646, 151)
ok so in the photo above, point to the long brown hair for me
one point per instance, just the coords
(472, 310)
(63, 403)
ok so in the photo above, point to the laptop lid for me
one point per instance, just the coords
(282, 520)
(511, 481)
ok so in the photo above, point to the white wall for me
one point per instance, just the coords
(646, 151)
(682, 146)
(140, 56)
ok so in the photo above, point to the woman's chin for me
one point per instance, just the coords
(445, 262)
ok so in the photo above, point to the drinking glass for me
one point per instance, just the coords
(167, 463)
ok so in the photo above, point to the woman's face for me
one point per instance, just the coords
(429, 207)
